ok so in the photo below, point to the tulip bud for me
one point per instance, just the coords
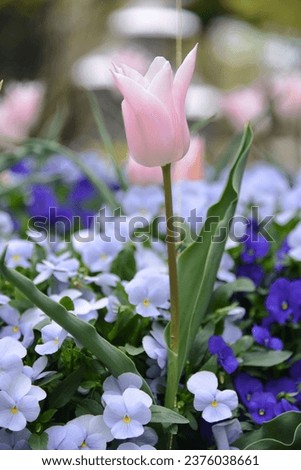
(154, 110)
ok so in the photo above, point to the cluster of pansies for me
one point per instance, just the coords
(244, 368)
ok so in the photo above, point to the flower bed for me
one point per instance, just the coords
(123, 329)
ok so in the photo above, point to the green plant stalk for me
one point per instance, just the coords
(174, 330)
(104, 135)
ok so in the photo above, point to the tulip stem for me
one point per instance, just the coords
(172, 370)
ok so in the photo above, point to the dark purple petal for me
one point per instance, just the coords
(276, 344)
(282, 385)
(252, 271)
(261, 407)
(246, 386)
(283, 406)
(278, 302)
(216, 344)
(295, 371)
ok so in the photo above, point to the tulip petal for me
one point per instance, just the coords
(135, 94)
(155, 67)
(133, 74)
(161, 87)
(183, 76)
(149, 132)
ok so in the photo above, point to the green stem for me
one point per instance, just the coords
(172, 371)
(105, 136)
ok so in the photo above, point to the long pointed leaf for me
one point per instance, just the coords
(105, 136)
(199, 262)
(281, 433)
(115, 360)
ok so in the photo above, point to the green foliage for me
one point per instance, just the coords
(67, 303)
(265, 358)
(115, 360)
(281, 433)
(38, 441)
(125, 265)
(163, 415)
(66, 389)
(223, 293)
(198, 263)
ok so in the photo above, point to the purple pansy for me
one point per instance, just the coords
(262, 407)
(263, 337)
(284, 300)
(246, 386)
(282, 385)
(225, 355)
(255, 246)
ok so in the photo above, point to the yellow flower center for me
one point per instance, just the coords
(103, 257)
(284, 305)
(146, 302)
(16, 257)
(56, 341)
(14, 410)
(214, 403)
(83, 444)
(15, 329)
(126, 419)
(261, 412)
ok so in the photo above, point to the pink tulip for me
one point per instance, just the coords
(154, 110)
(191, 167)
(142, 175)
(19, 109)
(242, 106)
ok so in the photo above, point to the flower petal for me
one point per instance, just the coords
(227, 397)
(155, 67)
(202, 381)
(183, 76)
(213, 414)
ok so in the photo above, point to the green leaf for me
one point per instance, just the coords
(125, 264)
(115, 360)
(65, 390)
(163, 415)
(67, 303)
(132, 351)
(224, 292)
(88, 406)
(47, 415)
(281, 433)
(265, 358)
(227, 154)
(242, 345)
(198, 263)
(202, 123)
(38, 441)
(200, 345)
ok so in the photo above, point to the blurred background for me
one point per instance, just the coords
(249, 68)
